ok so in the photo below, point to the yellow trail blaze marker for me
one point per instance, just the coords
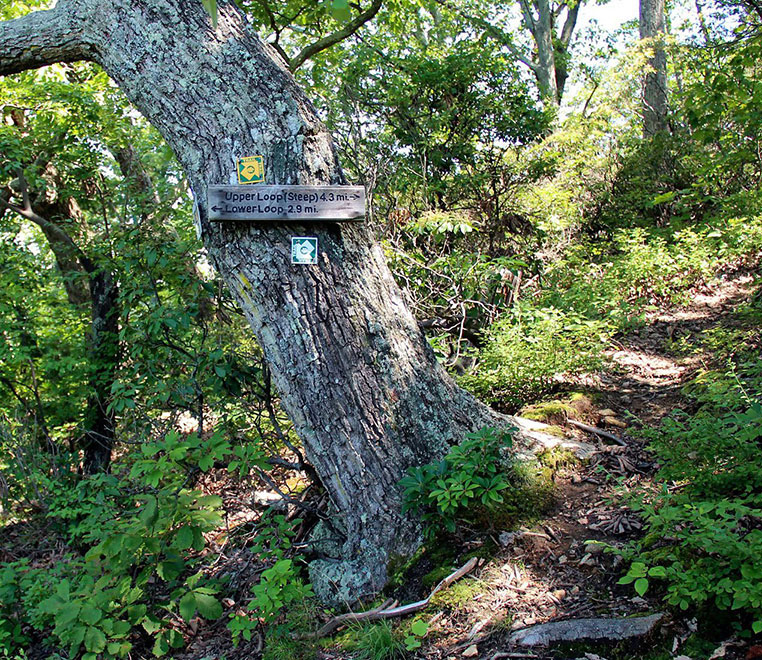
(251, 169)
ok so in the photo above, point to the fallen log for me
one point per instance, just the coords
(573, 630)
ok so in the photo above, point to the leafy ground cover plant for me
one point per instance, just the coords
(526, 350)
(133, 563)
(704, 523)
(476, 481)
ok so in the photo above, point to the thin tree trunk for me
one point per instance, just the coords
(653, 30)
(100, 422)
(540, 26)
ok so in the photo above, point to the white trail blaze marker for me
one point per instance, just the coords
(261, 202)
(304, 250)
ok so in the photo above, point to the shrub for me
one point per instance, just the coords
(704, 525)
(526, 351)
(477, 481)
(137, 535)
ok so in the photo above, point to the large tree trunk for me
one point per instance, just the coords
(653, 30)
(355, 374)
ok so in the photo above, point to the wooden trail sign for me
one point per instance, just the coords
(260, 202)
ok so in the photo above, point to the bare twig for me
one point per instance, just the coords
(383, 613)
(597, 431)
(297, 503)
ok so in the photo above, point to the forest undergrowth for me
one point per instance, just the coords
(180, 544)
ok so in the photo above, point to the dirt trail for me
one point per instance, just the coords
(648, 370)
(555, 569)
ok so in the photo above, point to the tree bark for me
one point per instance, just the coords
(652, 31)
(100, 422)
(355, 374)
(550, 66)
(541, 28)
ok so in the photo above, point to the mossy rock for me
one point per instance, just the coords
(557, 458)
(577, 405)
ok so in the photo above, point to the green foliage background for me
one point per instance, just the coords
(525, 241)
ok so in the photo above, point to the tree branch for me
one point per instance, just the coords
(529, 19)
(42, 38)
(276, 31)
(335, 37)
(570, 23)
(494, 32)
(57, 237)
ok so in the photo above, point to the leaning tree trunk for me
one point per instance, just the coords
(355, 374)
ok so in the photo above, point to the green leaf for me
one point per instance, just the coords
(183, 538)
(641, 586)
(136, 612)
(151, 624)
(90, 615)
(76, 637)
(340, 10)
(188, 606)
(211, 9)
(757, 627)
(148, 512)
(68, 613)
(419, 628)
(208, 606)
(161, 646)
(665, 197)
(95, 640)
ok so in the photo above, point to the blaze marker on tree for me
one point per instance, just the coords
(286, 202)
(304, 250)
(251, 169)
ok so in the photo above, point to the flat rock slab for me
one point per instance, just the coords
(573, 630)
(536, 436)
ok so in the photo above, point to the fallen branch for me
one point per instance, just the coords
(382, 612)
(573, 630)
(595, 430)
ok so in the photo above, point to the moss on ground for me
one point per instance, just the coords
(577, 405)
